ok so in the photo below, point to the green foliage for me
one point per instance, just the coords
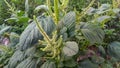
(28, 63)
(92, 32)
(113, 50)
(48, 64)
(5, 29)
(70, 48)
(31, 34)
(87, 64)
(5, 54)
(55, 39)
(66, 26)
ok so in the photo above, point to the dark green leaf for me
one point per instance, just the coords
(68, 22)
(16, 58)
(5, 29)
(28, 63)
(101, 51)
(87, 64)
(70, 63)
(14, 39)
(97, 59)
(48, 64)
(106, 65)
(92, 33)
(114, 50)
(31, 34)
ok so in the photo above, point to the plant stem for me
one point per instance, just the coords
(49, 6)
(42, 31)
(87, 8)
(26, 7)
(56, 10)
(11, 8)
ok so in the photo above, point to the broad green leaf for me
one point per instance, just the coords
(114, 50)
(91, 11)
(28, 63)
(103, 19)
(4, 48)
(14, 39)
(70, 63)
(87, 64)
(41, 8)
(31, 34)
(116, 10)
(60, 64)
(5, 29)
(48, 64)
(92, 33)
(70, 48)
(30, 51)
(104, 7)
(16, 57)
(68, 22)
(97, 59)
(22, 19)
(101, 50)
(106, 65)
(11, 20)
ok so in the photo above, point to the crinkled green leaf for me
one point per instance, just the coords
(114, 50)
(70, 48)
(92, 33)
(28, 63)
(101, 50)
(97, 59)
(87, 64)
(68, 22)
(31, 34)
(5, 29)
(103, 18)
(41, 8)
(106, 65)
(104, 7)
(14, 39)
(70, 63)
(48, 64)
(30, 51)
(91, 11)
(16, 58)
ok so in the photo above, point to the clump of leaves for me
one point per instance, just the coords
(53, 41)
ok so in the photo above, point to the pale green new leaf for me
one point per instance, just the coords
(70, 48)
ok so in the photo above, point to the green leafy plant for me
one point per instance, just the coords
(55, 39)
